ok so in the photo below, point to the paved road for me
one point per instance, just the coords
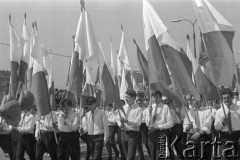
(83, 153)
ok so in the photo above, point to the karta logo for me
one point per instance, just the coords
(227, 149)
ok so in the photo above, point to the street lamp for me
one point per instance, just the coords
(194, 35)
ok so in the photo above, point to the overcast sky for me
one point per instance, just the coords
(57, 21)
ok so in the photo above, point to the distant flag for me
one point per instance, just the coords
(113, 61)
(142, 63)
(24, 54)
(217, 34)
(30, 62)
(126, 82)
(190, 55)
(15, 55)
(49, 68)
(205, 87)
(39, 83)
(134, 81)
(119, 71)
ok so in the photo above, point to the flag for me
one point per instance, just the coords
(190, 56)
(49, 68)
(30, 62)
(89, 89)
(25, 54)
(217, 35)
(75, 75)
(15, 54)
(157, 70)
(205, 87)
(175, 59)
(134, 81)
(92, 48)
(39, 84)
(126, 82)
(79, 54)
(142, 64)
(114, 66)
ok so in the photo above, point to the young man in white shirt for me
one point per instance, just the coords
(143, 134)
(44, 134)
(129, 121)
(112, 124)
(96, 124)
(159, 121)
(26, 139)
(198, 129)
(68, 139)
(227, 120)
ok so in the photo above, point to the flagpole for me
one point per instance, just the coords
(49, 105)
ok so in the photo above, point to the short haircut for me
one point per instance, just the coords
(131, 93)
(140, 94)
(156, 92)
(91, 100)
(226, 91)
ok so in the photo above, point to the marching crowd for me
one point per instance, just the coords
(168, 129)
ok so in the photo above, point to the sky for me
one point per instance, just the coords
(57, 21)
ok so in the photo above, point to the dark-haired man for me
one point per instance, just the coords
(198, 129)
(228, 124)
(68, 123)
(130, 122)
(143, 134)
(96, 124)
(159, 120)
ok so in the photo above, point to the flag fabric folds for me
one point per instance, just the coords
(161, 49)
(217, 34)
(39, 84)
(49, 68)
(15, 55)
(25, 53)
(205, 87)
(142, 64)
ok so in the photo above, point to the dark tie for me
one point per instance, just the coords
(197, 121)
(229, 120)
(93, 122)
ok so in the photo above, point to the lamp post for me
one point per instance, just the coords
(194, 35)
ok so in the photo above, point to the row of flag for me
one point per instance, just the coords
(165, 67)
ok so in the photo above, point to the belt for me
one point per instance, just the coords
(95, 136)
(130, 132)
(25, 133)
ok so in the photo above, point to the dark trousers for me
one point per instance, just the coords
(96, 145)
(26, 142)
(129, 142)
(14, 141)
(123, 157)
(111, 142)
(143, 137)
(177, 132)
(84, 137)
(233, 137)
(5, 141)
(46, 143)
(68, 141)
(154, 142)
